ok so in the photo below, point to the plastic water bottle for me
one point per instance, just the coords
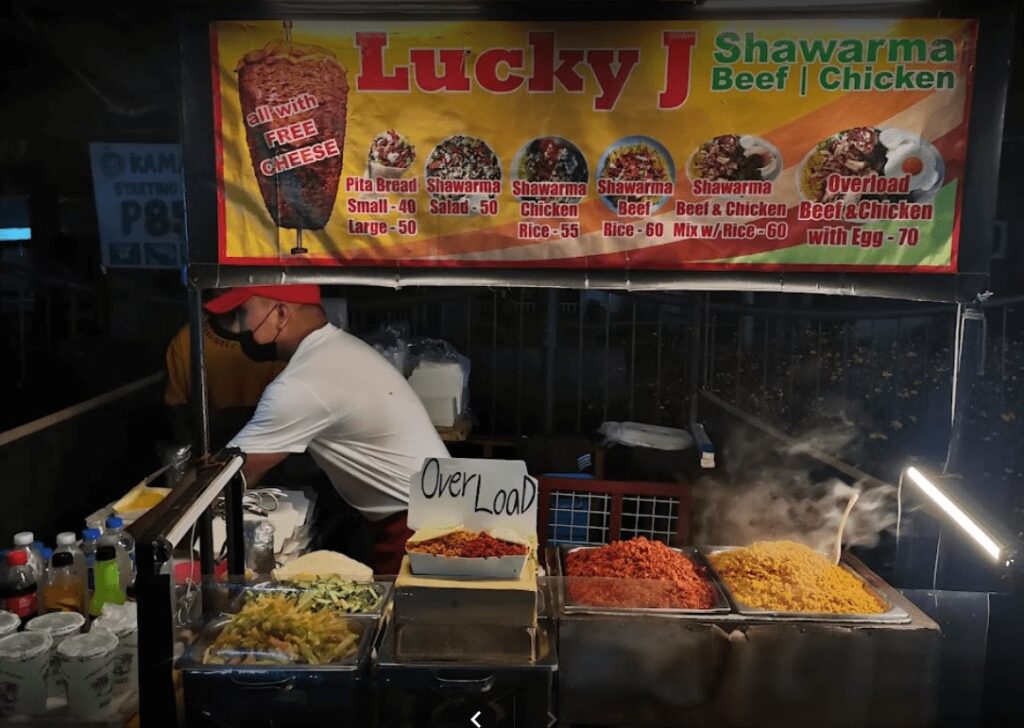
(115, 536)
(65, 588)
(90, 541)
(24, 541)
(66, 541)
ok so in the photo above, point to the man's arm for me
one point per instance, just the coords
(287, 419)
(257, 465)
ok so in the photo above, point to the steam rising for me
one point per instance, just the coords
(767, 495)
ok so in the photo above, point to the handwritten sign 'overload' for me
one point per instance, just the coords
(477, 494)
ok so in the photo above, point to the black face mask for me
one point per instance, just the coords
(258, 352)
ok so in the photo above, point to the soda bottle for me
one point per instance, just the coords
(24, 541)
(108, 580)
(90, 542)
(20, 591)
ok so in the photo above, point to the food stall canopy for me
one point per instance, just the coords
(828, 154)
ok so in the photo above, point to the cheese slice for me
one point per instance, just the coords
(324, 563)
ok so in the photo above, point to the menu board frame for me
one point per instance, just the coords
(970, 279)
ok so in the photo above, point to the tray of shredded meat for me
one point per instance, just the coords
(498, 554)
(638, 576)
(785, 580)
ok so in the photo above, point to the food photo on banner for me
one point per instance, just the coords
(714, 145)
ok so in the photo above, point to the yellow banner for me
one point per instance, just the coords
(814, 145)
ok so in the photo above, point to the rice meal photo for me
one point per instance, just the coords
(736, 158)
(636, 170)
(905, 166)
(462, 167)
(553, 163)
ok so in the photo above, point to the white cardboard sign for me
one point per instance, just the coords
(477, 494)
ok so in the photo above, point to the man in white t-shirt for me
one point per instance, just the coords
(338, 399)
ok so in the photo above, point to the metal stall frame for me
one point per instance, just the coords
(204, 270)
(157, 534)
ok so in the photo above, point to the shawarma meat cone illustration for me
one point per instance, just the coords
(294, 101)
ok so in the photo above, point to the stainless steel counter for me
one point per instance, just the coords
(739, 670)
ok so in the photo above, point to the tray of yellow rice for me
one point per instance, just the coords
(790, 581)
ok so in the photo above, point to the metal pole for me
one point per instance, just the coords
(966, 365)
(234, 526)
(740, 324)
(846, 358)
(709, 370)
(579, 366)
(494, 363)
(764, 369)
(1002, 361)
(198, 395)
(200, 420)
(519, 364)
(551, 344)
(657, 370)
(469, 327)
(632, 363)
(790, 408)
(153, 590)
(607, 350)
(695, 356)
(820, 354)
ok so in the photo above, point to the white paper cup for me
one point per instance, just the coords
(87, 661)
(126, 666)
(9, 622)
(24, 665)
(60, 625)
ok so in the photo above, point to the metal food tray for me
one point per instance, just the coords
(384, 587)
(894, 613)
(721, 604)
(192, 660)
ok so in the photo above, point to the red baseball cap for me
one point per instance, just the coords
(235, 297)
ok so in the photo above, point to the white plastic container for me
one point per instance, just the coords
(122, 621)
(24, 666)
(9, 622)
(60, 626)
(87, 662)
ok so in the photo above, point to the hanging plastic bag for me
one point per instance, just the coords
(440, 376)
(636, 434)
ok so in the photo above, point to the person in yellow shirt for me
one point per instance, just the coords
(236, 375)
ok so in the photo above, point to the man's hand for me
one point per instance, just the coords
(257, 465)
